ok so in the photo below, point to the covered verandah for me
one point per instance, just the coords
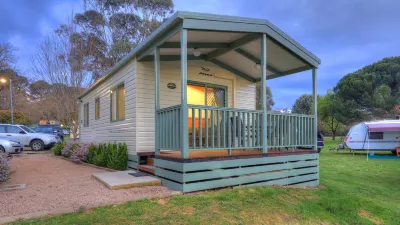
(254, 50)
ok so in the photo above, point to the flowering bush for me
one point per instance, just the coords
(4, 167)
(80, 153)
(68, 149)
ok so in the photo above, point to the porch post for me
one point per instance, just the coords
(264, 91)
(315, 100)
(184, 108)
(157, 98)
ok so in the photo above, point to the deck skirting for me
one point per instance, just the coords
(189, 176)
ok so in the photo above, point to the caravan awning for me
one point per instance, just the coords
(383, 126)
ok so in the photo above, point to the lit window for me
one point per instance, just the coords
(97, 108)
(118, 103)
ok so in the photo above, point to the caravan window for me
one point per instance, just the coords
(376, 135)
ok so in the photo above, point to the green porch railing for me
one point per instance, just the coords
(287, 130)
(169, 128)
(224, 128)
(213, 128)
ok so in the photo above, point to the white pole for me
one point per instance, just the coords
(11, 104)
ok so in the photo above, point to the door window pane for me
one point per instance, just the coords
(13, 130)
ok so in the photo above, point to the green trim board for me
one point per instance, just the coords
(256, 60)
(232, 46)
(287, 72)
(233, 70)
(281, 170)
(196, 45)
(202, 21)
(168, 58)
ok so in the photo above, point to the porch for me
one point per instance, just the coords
(216, 139)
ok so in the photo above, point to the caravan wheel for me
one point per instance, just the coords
(394, 152)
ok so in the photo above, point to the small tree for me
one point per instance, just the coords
(19, 117)
(328, 110)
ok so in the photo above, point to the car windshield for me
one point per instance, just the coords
(47, 130)
(27, 129)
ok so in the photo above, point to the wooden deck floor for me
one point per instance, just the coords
(204, 154)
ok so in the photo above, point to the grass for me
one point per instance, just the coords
(356, 191)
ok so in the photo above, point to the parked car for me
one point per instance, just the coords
(28, 137)
(320, 143)
(9, 146)
(51, 129)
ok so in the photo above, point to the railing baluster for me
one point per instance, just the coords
(234, 133)
(200, 129)
(206, 123)
(229, 130)
(239, 128)
(258, 130)
(224, 129)
(212, 129)
(248, 129)
(193, 128)
(218, 129)
(254, 129)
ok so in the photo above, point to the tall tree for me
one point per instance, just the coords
(371, 92)
(108, 30)
(7, 56)
(328, 111)
(269, 96)
(303, 104)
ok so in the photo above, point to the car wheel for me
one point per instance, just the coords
(2, 149)
(37, 145)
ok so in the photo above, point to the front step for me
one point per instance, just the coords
(146, 168)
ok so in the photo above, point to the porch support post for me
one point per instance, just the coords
(184, 107)
(264, 91)
(157, 98)
(315, 107)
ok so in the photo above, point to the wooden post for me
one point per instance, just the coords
(157, 98)
(315, 100)
(184, 108)
(264, 91)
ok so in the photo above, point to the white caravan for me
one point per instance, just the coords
(381, 135)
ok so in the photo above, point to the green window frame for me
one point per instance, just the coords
(97, 108)
(117, 103)
(86, 114)
(209, 85)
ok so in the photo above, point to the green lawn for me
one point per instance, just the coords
(356, 191)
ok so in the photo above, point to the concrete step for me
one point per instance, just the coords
(126, 179)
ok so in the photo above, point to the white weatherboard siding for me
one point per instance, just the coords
(241, 93)
(103, 130)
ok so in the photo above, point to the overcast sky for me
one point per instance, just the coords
(345, 34)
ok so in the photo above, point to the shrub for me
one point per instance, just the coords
(58, 147)
(80, 153)
(100, 157)
(4, 167)
(118, 156)
(92, 153)
(68, 149)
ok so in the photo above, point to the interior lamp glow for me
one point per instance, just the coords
(196, 52)
(257, 66)
(2, 80)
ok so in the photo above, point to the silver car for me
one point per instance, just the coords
(27, 137)
(8, 146)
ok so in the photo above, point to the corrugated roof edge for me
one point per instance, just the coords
(179, 16)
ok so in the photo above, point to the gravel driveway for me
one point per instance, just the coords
(54, 183)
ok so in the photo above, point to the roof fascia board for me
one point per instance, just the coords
(287, 72)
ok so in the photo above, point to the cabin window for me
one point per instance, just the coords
(86, 115)
(97, 108)
(118, 103)
(376, 135)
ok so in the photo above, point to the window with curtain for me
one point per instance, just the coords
(118, 103)
(97, 108)
(86, 115)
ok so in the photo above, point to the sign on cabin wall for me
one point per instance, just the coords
(204, 71)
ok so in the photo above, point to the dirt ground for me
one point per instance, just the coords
(53, 183)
